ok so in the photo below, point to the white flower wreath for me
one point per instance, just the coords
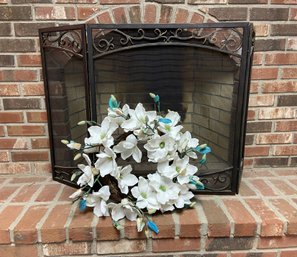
(113, 190)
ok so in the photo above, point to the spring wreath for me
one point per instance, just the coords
(113, 190)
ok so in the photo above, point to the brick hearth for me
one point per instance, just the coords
(38, 219)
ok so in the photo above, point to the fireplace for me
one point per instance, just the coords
(200, 70)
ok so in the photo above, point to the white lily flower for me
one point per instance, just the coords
(146, 197)
(139, 119)
(73, 145)
(165, 188)
(118, 115)
(101, 135)
(128, 148)
(88, 173)
(184, 197)
(186, 142)
(171, 129)
(106, 163)
(180, 169)
(160, 148)
(98, 201)
(122, 210)
(125, 178)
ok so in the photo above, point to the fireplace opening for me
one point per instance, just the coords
(201, 71)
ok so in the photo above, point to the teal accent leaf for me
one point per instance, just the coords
(152, 226)
(198, 184)
(113, 103)
(82, 204)
(203, 150)
(165, 120)
(157, 99)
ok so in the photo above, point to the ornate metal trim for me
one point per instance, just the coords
(228, 40)
(69, 41)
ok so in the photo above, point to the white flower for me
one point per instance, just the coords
(98, 201)
(144, 194)
(170, 128)
(106, 163)
(165, 188)
(125, 178)
(73, 145)
(101, 135)
(184, 197)
(139, 119)
(117, 115)
(160, 148)
(88, 173)
(180, 169)
(128, 148)
(186, 142)
(123, 209)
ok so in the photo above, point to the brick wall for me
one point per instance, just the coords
(272, 127)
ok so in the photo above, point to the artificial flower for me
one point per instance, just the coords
(106, 162)
(128, 148)
(184, 197)
(73, 145)
(122, 210)
(187, 145)
(118, 115)
(125, 178)
(87, 178)
(171, 128)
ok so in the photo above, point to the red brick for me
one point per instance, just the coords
(261, 30)
(248, 162)
(181, 16)
(105, 230)
(134, 13)
(19, 251)
(2, 132)
(15, 168)
(41, 167)
(251, 115)
(25, 231)
(283, 1)
(245, 224)
(261, 100)
(80, 227)
(18, 75)
(276, 113)
(253, 254)
(292, 44)
(289, 73)
(286, 126)
(26, 130)
(277, 242)
(39, 143)
(257, 59)
(197, 18)
(12, 143)
(263, 187)
(284, 187)
(85, 12)
(115, 2)
(76, 1)
(264, 73)
(289, 212)
(26, 193)
(68, 249)
(119, 15)
(280, 87)
(6, 192)
(271, 225)
(28, 156)
(286, 150)
(256, 151)
(131, 230)
(11, 117)
(284, 138)
(7, 217)
(288, 253)
(67, 191)
(190, 224)
(229, 243)
(166, 14)
(104, 18)
(4, 156)
(176, 245)
(9, 90)
(245, 190)
(254, 86)
(218, 223)
(150, 13)
(53, 230)
(48, 193)
(33, 89)
(54, 13)
(31, 60)
(27, 180)
(281, 59)
(106, 248)
(37, 116)
(166, 226)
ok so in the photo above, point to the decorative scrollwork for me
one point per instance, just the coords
(69, 41)
(218, 181)
(227, 40)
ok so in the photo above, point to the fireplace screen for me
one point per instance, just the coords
(201, 71)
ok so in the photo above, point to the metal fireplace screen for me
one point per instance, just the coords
(200, 70)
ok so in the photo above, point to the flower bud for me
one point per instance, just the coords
(152, 95)
(77, 156)
(83, 122)
(64, 141)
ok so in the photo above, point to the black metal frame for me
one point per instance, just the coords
(242, 56)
